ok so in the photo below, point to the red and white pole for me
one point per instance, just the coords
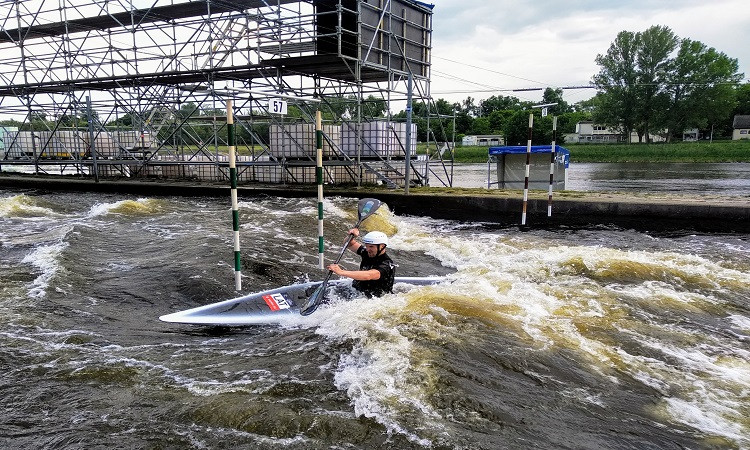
(528, 170)
(553, 157)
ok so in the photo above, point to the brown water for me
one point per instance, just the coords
(570, 338)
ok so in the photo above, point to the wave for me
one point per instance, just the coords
(25, 207)
(46, 259)
(139, 207)
(593, 301)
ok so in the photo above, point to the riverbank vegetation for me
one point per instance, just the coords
(679, 152)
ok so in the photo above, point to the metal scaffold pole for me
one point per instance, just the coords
(407, 174)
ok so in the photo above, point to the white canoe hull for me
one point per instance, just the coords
(266, 307)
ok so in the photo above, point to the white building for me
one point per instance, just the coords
(741, 127)
(484, 140)
(587, 132)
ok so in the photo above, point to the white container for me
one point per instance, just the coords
(22, 144)
(104, 144)
(378, 138)
(297, 140)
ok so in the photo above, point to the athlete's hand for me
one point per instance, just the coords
(354, 231)
(335, 268)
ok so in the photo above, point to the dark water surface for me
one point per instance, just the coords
(695, 179)
(578, 338)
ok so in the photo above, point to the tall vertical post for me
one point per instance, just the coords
(92, 141)
(235, 207)
(528, 170)
(552, 158)
(407, 174)
(319, 180)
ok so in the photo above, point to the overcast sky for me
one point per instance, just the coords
(490, 45)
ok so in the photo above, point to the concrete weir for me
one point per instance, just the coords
(573, 209)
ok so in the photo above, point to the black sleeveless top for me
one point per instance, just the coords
(381, 263)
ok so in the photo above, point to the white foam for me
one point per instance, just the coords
(44, 258)
(379, 374)
(711, 417)
(741, 322)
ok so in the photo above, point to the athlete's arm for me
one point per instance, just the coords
(359, 275)
(354, 245)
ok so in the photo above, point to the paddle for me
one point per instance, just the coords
(365, 208)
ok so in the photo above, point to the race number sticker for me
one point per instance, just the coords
(276, 301)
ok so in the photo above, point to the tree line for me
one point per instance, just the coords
(649, 82)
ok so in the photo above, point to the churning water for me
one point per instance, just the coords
(569, 338)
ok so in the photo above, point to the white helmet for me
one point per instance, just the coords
(375, 238)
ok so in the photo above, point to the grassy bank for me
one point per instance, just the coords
(718, 151)
(704, 152)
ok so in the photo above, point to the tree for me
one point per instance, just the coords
(644, 85)
(498, 119)
(653, 62)
(517, 129)
(469, 107)
(555, 96)
(616, 83)
(743, 100)
(480, 125)
(499, 103)
(701, 87)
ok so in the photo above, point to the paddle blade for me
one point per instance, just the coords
(366, 207)
(315, 300)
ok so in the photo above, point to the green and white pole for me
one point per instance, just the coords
(319, 179)
(528, 170)
(235, 207)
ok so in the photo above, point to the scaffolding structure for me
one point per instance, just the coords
(138, 88)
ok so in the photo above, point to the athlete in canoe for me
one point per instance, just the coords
(376, 271)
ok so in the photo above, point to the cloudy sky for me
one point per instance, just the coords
(483, 47)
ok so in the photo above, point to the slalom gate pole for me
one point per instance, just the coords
(528, 169)
(319, 179)
(235, 207)
(553, 154)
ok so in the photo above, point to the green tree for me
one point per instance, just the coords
(481, 125)
(517, 129)
(498, 119)
(555, 96)
(743, 100)
(701, 87)
(566, 122)
(500, 103)
(654, 63)
(653, 80)
(616, 82)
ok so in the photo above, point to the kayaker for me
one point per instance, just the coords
(376, 271)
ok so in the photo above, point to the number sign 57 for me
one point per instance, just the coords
(276, 106)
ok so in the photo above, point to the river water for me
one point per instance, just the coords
(693, 179)
(571, 338)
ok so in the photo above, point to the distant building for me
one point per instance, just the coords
(484, 140)
(691, 135)
(741, 127)
(587, 132)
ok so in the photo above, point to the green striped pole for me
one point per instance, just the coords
(319, 179)
(235, 207)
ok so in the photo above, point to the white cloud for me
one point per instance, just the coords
(509, 45)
